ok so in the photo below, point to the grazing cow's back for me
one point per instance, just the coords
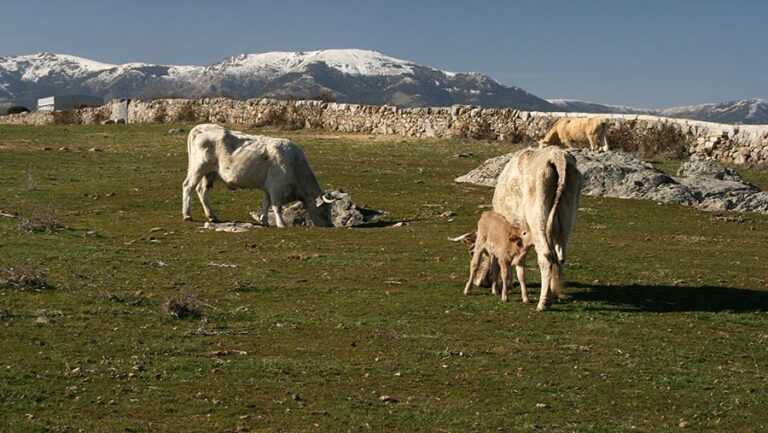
(540, 188)
(569, 131)
(240, 161)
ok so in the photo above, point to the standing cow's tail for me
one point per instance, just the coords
(556, 266)
(560, 166)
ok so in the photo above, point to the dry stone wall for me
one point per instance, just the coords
(639, 134)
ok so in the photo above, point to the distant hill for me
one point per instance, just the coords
(744, 111)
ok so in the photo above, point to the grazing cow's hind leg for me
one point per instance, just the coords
(186, 194)
(202, 193)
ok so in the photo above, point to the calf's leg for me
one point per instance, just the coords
(523, 288)
(473, 265)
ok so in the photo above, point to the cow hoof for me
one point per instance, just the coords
(214, 220)
(526, 301)
(187, 218)
(542, 307)
(503, 299)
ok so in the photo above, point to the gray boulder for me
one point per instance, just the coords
(344, 213)
(704, 184)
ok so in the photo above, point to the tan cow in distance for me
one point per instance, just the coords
(505, 243)
(569, 131)
(540, 188)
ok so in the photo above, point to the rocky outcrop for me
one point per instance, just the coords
(706, 185)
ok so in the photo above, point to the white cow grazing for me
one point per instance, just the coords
(274, 165)
(568, 131)
(540, 188)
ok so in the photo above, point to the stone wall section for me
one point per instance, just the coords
(639, 134)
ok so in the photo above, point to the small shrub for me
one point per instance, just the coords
(186, 114)
(43, 219)
(24, 277)
(65, 117)
(160, 113)
(17, 109)
(326, 96)
(31, 182)
(280, 117)
(185, 306)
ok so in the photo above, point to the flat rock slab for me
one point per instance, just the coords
(703, 184)
(231, 227)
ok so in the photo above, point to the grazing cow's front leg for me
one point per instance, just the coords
(592, 143)
(265, 210)
(202, 194)
(278, 209)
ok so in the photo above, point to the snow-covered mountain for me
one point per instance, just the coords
(745, 111)
(357, 76)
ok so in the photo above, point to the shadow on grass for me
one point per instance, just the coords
(670, 298)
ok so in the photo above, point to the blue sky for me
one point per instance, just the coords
(652, 54)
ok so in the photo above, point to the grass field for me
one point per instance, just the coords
(361, 329)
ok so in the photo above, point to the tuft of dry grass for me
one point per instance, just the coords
(42, 219)
(25, 277)
(184, 306)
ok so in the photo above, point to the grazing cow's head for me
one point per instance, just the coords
(323, 217)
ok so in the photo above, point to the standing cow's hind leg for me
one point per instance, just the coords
(546, 276)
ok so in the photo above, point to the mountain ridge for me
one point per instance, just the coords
(350, 75)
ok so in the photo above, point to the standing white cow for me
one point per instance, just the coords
(274, 165)
(540, 188)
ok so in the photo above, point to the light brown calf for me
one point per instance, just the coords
(505, 243)
(569, 131)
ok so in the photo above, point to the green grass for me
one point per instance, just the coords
(666, 319)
